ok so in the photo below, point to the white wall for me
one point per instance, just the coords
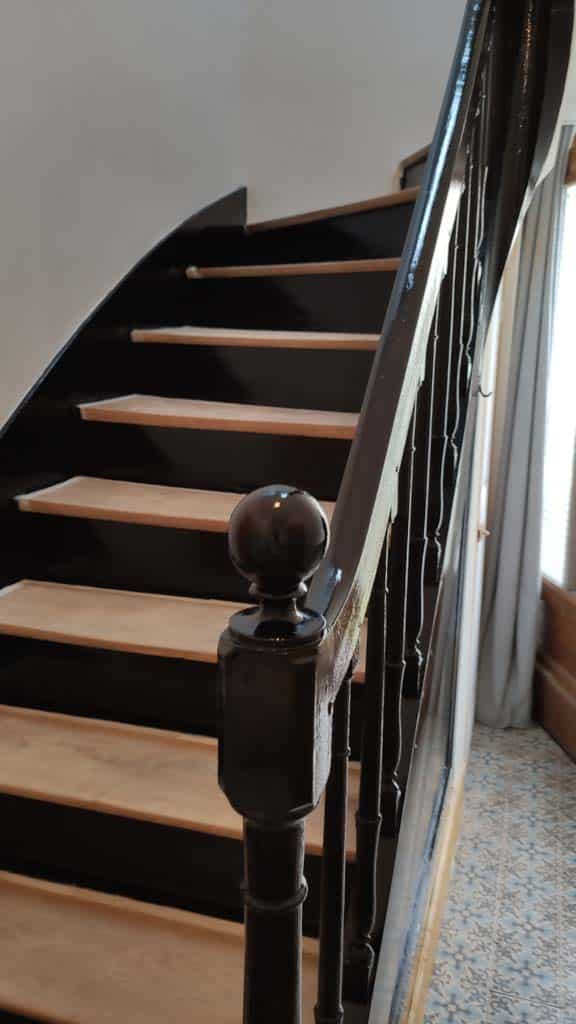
(118, 118)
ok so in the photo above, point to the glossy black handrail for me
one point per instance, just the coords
(342, 585)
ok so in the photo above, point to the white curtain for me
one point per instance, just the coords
(511, 603)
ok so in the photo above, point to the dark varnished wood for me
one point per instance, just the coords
(329, 1008)
(361, 955)
(479, 176)
(274, 750)
(419, 540)
(395, 664)
(283, 673)
(445, 375)
(357, 530)
(430, 762)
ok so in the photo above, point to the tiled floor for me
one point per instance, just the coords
(507, 952)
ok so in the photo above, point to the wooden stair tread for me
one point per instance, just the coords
(127, 502)
(117, 620)
(74, 956)
(167, 778)
(407, 195)
(158, 625)
(146, 504)
(367, 266)
(232, 338)
(154, 410)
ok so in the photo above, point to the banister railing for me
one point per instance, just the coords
(286, 665)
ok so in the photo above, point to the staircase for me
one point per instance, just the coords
(218, 368)
(235, 355)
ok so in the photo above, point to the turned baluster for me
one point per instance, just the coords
(329, 1008)
(398, 566)
(415, 608)
(461, 325)
(477, 174)
(361, 956)
(443, 371)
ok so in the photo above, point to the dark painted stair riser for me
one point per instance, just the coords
(48, 442)
(167, 693)
(182, 868)
(259, 376)
(98, 553)
(211, 459)
(316, 302)
(374, 234)
(215, 460)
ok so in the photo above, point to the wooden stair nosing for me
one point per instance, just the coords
(399, 198)
(122, 501)
(194, 414)
(156, 625)
(120, 960)
(414, 158)
(165, 778)
(226, 338)
(366, 266)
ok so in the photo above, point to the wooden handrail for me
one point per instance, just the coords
(398, 527)
(521, 34)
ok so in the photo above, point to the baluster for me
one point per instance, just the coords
(476, 196)
(483, 158)
(398, 563)
(419, 534)
(274, 747)
(465, 241)
(360, 957)
(479, 194)
(440, 396)
(329, 1009)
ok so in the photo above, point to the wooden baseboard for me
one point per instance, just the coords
(555, 702)
(425, 955)
(555, 671)
(559, 640)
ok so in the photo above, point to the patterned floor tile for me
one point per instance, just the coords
(504, 1010)
(454, 1007)
(527, 976)
(507, 953)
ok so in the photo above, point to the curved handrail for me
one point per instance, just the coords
(341, 588)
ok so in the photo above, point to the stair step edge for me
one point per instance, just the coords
(119, 959)
(155, 410)
(324, 267)
(137, 503)
(399, 198)
(164, 778)
(220, 337)
(124, 621)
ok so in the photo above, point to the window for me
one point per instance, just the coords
(558, 535)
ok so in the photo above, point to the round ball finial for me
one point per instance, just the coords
(277, 538)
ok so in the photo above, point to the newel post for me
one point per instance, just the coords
(274, 752)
